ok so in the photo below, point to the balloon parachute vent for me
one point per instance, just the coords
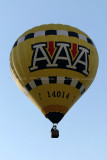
(54, 132)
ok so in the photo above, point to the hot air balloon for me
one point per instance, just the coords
(54, 65)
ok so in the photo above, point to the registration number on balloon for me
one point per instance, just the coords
(58, 94)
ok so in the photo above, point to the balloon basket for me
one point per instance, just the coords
(54, 132)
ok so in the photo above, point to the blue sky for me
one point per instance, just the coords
(24, 131)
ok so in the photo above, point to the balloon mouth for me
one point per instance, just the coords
(55, 117)
(54, 112)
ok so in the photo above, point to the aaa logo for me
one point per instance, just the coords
(60, 55)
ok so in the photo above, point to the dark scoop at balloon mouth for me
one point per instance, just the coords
(54, 117)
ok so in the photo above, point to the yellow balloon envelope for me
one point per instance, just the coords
(54, 65)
